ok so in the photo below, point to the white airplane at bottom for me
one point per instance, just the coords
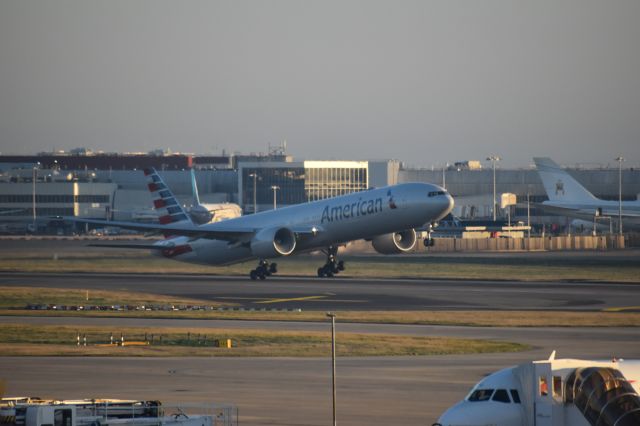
(554, 392)
(387, 216)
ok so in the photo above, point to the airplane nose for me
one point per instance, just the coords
(450, 204)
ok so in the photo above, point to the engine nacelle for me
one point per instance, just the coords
(395, 243)
(273, 242)
(200, 214)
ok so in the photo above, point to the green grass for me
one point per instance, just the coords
(19, 297)
(14, 299)
(525, 267)
(27, 340)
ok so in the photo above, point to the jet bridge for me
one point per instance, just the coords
(604, 396)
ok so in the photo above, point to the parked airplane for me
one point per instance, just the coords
(567, 197)
(387, 216)
(205, 213)
(554, 392)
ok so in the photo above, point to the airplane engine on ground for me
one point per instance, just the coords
(395, 243)
(273, 242)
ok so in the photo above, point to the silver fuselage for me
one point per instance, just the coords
(360, 215)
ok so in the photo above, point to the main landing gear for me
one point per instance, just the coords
(333, 266)
(263, 270)
(428, 242)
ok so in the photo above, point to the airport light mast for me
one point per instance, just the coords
(254, 176)
(494, 159)
(620, 160)
(34, 178)
(275, 189)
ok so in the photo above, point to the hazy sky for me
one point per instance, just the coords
(425, 82)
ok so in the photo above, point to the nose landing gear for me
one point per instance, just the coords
(333, 266)
(263, 270)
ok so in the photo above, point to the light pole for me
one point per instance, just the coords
(254, 176)
(620, 160)
(333, 361)
(34, 178)
(444, 180)
(274, 188)
(494, 159)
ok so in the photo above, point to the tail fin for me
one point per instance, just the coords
(194, 189)
(560, 185)
(164, 199)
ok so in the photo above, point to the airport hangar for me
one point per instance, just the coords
(112, 186)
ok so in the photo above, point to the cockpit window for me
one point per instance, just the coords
(481, 395)
(435, 193)
(501, 395)
(515, 395)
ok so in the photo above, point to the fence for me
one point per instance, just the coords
(572, 242)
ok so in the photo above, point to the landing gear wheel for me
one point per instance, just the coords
(333, 266)
(263, 270)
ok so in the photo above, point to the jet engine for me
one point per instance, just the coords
(395, 243)
(200, 214)
(273, 242)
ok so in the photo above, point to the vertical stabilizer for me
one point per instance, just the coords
(163, 199)
(560, 185)
(194, 189)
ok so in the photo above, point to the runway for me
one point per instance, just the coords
(297, 391)
(352, 294)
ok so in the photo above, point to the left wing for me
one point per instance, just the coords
(232, 234)
(214, 231)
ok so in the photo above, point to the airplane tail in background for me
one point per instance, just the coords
(194, 188)
(164, 201)
(560, 185)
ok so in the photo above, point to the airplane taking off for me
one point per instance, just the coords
(567, 197)
(387, 216)
(554, 392)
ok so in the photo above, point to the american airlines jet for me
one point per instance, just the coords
(387, 216)
(567, 197)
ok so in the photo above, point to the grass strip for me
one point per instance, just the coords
(19, 297)
(522, 268)
(28, 340)
(444, 318)
(14, 299)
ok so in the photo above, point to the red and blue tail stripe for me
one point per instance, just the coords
(164, 200)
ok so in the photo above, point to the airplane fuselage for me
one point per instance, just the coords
(360, 215)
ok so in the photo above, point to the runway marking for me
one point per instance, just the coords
(293, 299)
(622, 309)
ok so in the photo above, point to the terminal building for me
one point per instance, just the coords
(112, 186)
(268, 184)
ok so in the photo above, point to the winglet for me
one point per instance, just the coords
(552, 357)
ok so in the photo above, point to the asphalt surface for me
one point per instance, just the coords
(353, 294)
(293, 391)
(297, 391)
